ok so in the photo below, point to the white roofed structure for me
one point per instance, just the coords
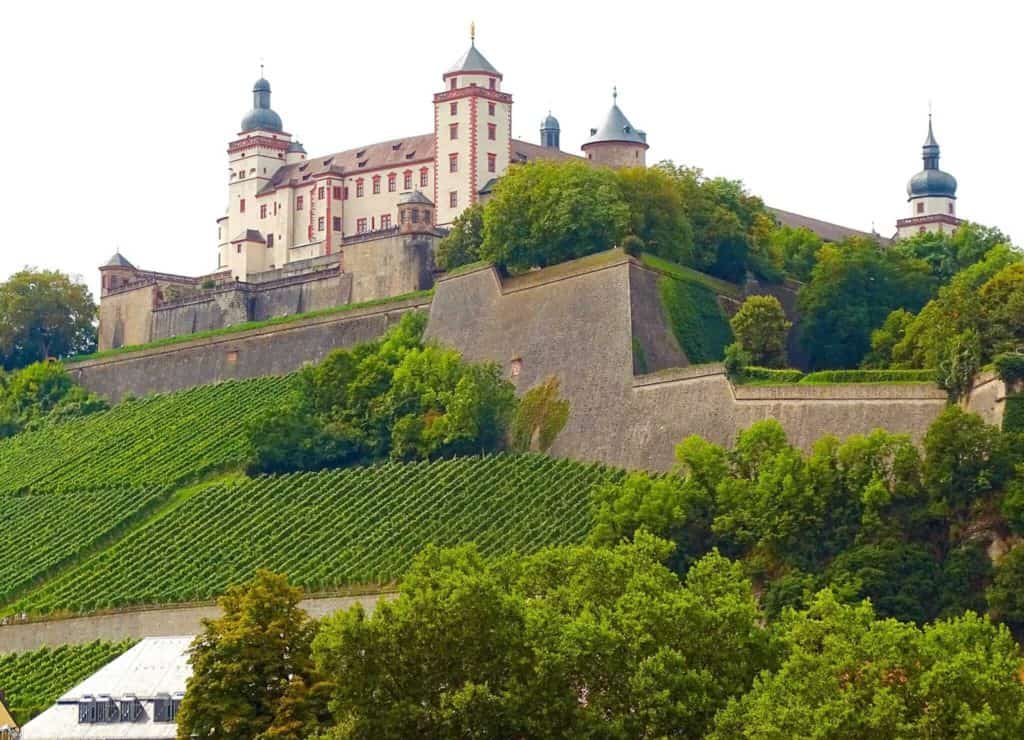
(135, 696)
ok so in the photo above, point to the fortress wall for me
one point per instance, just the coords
(270, 350)
(574, 325)
(393, 265)
(125, 317)
(301, 296)
(986, 398)
(214, 310)
(170, 622)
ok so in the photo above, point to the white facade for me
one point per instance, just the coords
(283, 206)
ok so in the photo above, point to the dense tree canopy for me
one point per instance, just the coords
(853, 288)
(462, 244)
(395, 397)
(43, 391)
(573, 641)
(252, 669)
(44, 314)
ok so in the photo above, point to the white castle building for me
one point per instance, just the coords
(284, 206)
(306, 233)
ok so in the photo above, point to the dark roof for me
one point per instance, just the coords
(931, 181)
(827, 231)
(250, 235)
(616, 127)
(395, 153)
(472, 61)
(549, 123)
(296, 146)
(524, 151)
(488, 186)
(261, 117)
(118, 261)
(414, 196)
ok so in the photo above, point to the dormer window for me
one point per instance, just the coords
(360, 153)
(396, 147)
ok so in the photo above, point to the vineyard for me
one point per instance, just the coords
(159, 440)
(42, 531)
(330, 529)
(33, 681)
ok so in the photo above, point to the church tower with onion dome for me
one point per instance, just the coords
(931, 194)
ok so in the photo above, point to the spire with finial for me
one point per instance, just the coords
(930, 150)
(472, 33)
(615, 95)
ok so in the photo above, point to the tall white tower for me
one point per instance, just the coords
(253, 158)
(472, 132)
(931, 194)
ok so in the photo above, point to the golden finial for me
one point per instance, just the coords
(472, 32)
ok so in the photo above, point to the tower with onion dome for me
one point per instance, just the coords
(931, 194)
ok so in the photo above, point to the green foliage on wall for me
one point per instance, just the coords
(697, 320)
(540, 417)
(639, 358)
(1013, 413)
(767, 375)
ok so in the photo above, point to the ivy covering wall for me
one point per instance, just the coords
(697, 320)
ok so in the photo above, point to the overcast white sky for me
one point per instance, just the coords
(116, 116)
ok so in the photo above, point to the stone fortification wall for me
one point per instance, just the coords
(577, 323)
(125, 316)
(270, 350)
(169, 622)
(393, 265)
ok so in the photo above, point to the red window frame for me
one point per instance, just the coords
(492, 131)
(453, 131)
(263, 210)
(424, 177)
(490, 109)
(453, 162)
(453, 199)
(385, 221)
(453, 109)
(376, 184)
(299, 203)
(407, 180)
(337, 192)
(492, 162)
(360, 225)
(359, 188)
(241, 206)
(392, 182)
(321, 193)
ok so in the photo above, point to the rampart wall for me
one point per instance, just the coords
(163, 622)
(579, 326)
(272, 350)
(582, 322)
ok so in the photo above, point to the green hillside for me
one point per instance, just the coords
(160, 440)
(330, 529)
(33, 681)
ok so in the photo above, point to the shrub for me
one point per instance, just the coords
(869, 376)
(633, 245)
(1013, 413)
(1010, 367)
(755, 374)
(540, 417)
(760, 327)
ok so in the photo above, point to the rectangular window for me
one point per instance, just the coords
(492, 131)
(407, 180)
(453, 131)
(950, 209)
(337, 192)
(337, 223)
(241, 206)
(321, 193)
(392, 182)
(453, 199)
(453, 164)
(270, 240)
(360, 225)
(490, 109)
(492, 162)
(345, 192)
(263, 210)
(320, 224)
(275, 207)
(298, 203)
(454, 82)
(415, 215)
(359, 188)
(920, 207)
(424, 177)
(238, 249)
(385, 221)
(493, 83)
(454, 109)
(376, 185)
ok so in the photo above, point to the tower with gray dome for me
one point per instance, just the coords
(931, 194)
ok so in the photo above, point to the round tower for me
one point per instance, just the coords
(931, 194)
(550, 132)
(617, 143)
(294, 153)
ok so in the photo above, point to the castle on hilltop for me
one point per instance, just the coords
(307, 233)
